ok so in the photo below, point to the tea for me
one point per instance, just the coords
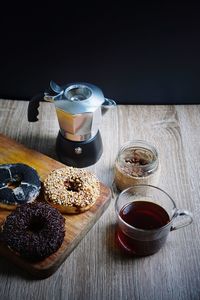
(146, 216)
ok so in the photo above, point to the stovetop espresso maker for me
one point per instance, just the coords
(79, 107)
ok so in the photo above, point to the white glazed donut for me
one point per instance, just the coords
(19, 184)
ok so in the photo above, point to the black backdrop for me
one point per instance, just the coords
(149, 53)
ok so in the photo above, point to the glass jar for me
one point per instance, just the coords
(137, 163)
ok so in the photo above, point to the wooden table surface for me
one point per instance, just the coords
(96, 269)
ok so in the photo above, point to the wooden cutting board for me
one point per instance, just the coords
(76, 225)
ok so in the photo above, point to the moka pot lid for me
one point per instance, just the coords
(77, 98)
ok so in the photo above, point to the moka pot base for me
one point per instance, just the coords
(79, 154)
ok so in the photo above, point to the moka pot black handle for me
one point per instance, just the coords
(33, 107)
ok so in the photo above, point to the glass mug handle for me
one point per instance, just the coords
(182, 218)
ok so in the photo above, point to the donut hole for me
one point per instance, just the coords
(37, 223)
(13, 184)
(73, 185)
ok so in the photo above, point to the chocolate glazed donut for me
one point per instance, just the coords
(19, 184)
(34, 230)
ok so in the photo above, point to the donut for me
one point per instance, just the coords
(71, 190)
(19, 184)
(34, 230)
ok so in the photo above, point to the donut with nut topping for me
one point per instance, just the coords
(71, 190)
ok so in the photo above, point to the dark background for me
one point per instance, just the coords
(149, 53)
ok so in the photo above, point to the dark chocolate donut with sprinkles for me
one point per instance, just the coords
(19, 184)
(34, 230)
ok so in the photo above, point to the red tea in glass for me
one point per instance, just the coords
(145, 216)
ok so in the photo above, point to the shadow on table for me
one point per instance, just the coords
(9, 269)
(113, 246)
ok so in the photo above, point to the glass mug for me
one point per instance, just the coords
(145, 216)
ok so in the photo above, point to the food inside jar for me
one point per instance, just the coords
(137, 161)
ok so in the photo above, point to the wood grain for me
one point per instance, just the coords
(96, 269)
(76, 226)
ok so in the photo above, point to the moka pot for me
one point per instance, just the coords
(79, 108)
